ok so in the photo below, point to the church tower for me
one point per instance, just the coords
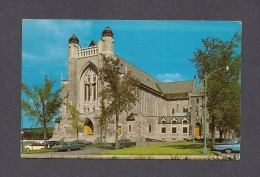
(106, 44)
(73, 48)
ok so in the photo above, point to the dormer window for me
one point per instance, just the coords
(174, 122)
(184, 122)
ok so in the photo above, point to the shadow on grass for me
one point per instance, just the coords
(185, 146)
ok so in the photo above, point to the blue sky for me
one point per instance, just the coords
(160, 48)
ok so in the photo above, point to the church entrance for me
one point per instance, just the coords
(197, 129)
(89, 128)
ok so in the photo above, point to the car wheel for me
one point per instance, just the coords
(27, 149)
(228, 151)
(69, 149)
(81, 148)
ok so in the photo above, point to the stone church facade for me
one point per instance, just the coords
(169, 111)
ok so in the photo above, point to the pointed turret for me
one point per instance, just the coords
(92, 43)
(73, 39)
(107, 32)
(106, 44)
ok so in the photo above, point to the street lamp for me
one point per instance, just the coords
(22, 133)
(205, 106)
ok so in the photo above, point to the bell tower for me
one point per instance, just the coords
(73, 46)
(106, 44)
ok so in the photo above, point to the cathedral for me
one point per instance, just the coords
(170, 111)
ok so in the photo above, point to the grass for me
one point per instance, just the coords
(176, 148)
(37, 151)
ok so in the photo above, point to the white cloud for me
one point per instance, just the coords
(170, 77)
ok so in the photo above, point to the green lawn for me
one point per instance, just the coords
(37, 151)
(176, 148)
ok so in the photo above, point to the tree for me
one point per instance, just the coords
(104, 119)
(121, 90)
(77, 123)
(40, 103)
(223, 87)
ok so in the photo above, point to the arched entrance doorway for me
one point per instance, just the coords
(197, 129)
(89, 128)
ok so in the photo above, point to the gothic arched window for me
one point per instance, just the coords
(90, 85)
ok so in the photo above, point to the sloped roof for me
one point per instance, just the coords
(92, 43)
(73, 36)
(73, 39)
(176, 87)
(107, 32)
(144, 78)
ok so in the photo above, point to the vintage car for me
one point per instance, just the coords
(228, 146)
(51, 143)
(67, 146)
(124, 143)
(34, 146)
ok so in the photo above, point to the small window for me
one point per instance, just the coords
(185, 122)
(173, 129)
(197, 100)
(174, 122)
(172, 111)
(163, 130)
(163, 122)
(185, 130)
(150, 129)
(129, 128)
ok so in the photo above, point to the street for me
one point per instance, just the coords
(88, 152)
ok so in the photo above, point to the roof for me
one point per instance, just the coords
(144, 78)
(73, 39)
(169, 119)
(107, 32)
(92, 43)
(176, 87)
(171, 90)
(73, 36)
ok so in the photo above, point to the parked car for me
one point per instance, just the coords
(34, 146)
(83, 142)
(67, 146)
(228, 146)
(124, 143)
(51, 143)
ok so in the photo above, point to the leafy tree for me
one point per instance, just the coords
(40, 103)
(77, 123)
(121, 90)
(104, 119)
(223, 87)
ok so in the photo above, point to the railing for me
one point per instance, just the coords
(86, 52)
